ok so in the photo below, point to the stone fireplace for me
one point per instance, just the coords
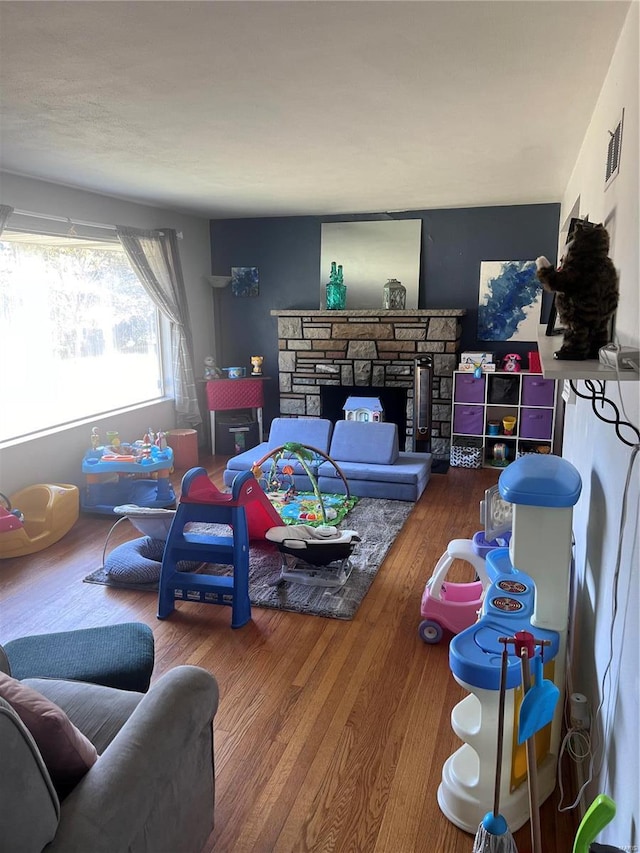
(367, 350)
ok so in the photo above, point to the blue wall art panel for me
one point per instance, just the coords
(245, 281)
(510, 299)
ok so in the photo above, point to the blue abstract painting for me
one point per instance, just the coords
(245, 281)
(510, 299)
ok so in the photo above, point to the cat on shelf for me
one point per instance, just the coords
(586, 288)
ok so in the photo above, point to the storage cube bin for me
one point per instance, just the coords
(537, 391)
(468, 419)
(469, 389)
(536, 423)
(465, 455)
(504, 390)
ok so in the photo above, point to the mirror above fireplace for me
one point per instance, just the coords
(372, 252)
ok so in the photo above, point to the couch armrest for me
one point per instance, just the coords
(145, 786)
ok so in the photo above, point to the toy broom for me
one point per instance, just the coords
(493, 835)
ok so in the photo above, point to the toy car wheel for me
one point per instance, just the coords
(430, 631)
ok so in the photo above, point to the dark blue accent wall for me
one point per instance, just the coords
(287, 253)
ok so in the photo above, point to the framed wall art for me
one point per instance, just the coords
(509, 301)
(245, 281)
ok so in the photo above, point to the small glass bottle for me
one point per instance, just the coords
(336, 289)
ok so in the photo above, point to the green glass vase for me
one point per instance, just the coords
(336, 289)
(336, 296)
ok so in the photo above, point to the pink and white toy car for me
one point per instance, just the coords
(456, 606)
(453, 606)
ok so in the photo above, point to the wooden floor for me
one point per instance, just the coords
(330, 735)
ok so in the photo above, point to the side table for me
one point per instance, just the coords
(225, 394)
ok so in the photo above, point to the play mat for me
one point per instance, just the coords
(303, 507)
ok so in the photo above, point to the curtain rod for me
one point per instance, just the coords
(54, 218)
(81, 222)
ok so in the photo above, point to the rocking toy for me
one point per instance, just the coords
(314, 556)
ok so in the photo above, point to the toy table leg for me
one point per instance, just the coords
(212, 415)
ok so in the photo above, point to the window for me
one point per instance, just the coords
(80, 337)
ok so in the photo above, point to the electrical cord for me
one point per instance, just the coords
(577, 741)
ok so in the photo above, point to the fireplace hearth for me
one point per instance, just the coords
(367, 353)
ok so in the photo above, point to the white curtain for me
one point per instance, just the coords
(155, 257)
(5, 213)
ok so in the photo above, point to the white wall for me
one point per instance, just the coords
(57, 457)
(603, 460)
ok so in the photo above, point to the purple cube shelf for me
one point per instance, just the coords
(537, 391)
(468, 419)
(536, 423)
(469, 389)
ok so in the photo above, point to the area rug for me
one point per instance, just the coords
(377, 521)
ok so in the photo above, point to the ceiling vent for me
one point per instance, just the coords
(613, 152)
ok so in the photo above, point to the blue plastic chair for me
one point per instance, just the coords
(201, 501)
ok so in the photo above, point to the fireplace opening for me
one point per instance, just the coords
(394, 403)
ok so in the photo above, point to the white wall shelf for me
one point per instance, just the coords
(591, 368)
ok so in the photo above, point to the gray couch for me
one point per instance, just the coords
(152, 787)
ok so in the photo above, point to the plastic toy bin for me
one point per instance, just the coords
(184, 443)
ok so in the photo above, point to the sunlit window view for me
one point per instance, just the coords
(79, 336)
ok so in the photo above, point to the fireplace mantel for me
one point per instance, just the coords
(382, 313)
(368, 348)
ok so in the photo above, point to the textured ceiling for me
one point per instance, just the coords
(287, 108)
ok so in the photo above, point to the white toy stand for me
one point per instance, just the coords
(530, 592)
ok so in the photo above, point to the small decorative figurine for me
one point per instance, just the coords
(211, 369)
(256, 361)
(477, 366)
(95, 438)
(161, 440)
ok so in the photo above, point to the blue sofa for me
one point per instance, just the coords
(367, 453)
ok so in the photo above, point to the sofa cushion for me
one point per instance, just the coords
(244, 461)
(409, 468)
(364, 442)
(66, 752)
(376, 489)
(99, 712)
(314, 432)
(120, 655)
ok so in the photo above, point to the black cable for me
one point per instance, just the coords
(598, 396)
